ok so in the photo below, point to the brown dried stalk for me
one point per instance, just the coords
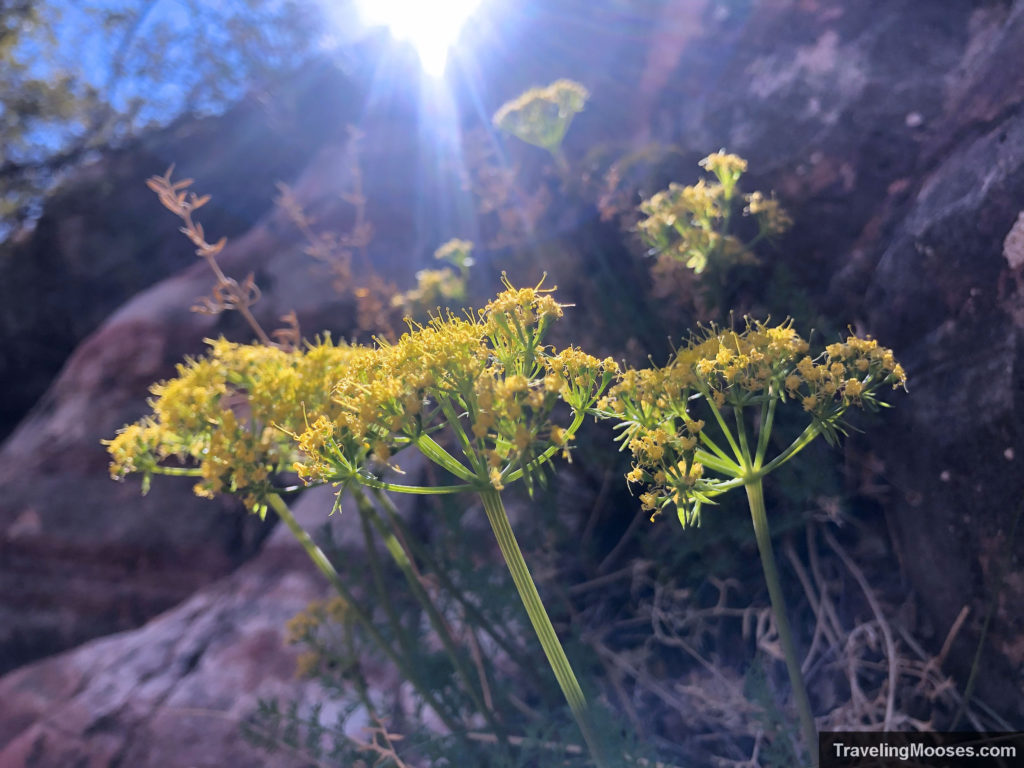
(228, 293)
(375, 298)
(332, 248)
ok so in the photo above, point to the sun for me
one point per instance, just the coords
(430, 27)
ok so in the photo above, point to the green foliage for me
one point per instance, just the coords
(776, 750)
(436, 288)
(79, 77)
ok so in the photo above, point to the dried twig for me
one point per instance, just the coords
(890, 643)
(227, 293)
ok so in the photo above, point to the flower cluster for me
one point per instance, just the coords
(771, 217)
(845, 374)
(313, 628)
(246, 413)
(489, 379)
(690, 224)
(458, 253)
(384, 403)
(443, 287)
(231, 413)
(673, 417)
(541, 116)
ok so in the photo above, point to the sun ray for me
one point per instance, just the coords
(430, 28)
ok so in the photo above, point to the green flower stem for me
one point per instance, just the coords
(429, 448)
(724, 427)
(765, 429)
(440, 626)
(732, 467)
(324, 565)
(741, 432)
(177, 471)
(453, 420)
(405, 642)
(570, 431)
(558, 155)
(719, 250)
(423, 490)
(802, 441)
(725, 466)
(755, 497)
(472, 612)
(498, 519)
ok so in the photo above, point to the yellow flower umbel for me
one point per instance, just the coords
(488, 381)
(758, 367)
(691, 224)
(226, 418)
(674, 421)
(541, 116)
(245, 413)
(435, 288)
(491, 384)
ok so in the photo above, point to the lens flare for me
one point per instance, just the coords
(430, 27)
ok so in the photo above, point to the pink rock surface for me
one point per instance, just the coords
(172, 693)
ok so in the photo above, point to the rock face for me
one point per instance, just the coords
(918, 137)
(175, 691)
(81, 556)
(966, 352)
(896, 138)
(894, 135)
(102, 237)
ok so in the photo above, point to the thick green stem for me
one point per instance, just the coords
(472, 612)
(495, 510)
(755, 497)
(324, 565)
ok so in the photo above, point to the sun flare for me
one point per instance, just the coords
(431, 28)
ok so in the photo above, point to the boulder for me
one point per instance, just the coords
(175, 692)
(101, 237)
(82, 556)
